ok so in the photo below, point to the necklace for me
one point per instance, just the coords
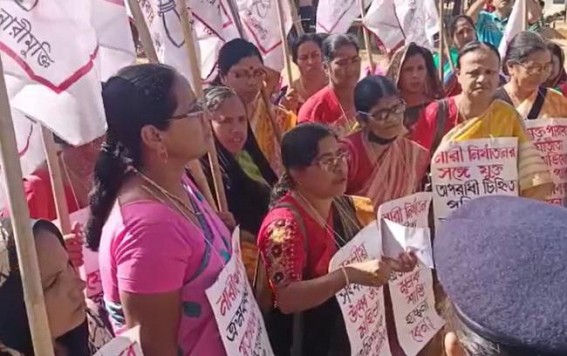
(349, 123)
(320, 220)
(183, 208)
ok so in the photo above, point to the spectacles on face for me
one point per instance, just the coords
(330, 163)
(537, 68)
(395, 112)
(197, 110)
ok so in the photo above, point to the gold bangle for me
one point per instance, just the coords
(346, 276)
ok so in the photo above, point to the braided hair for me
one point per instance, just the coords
(137, 96)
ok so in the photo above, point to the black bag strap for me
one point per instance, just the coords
(440, 123)
(538, 104)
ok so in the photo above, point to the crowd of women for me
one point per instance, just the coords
(303, 175)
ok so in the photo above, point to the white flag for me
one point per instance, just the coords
(419, 21)
(214, 25)
(516, 24)
(51, 47)
(336, 16)
(112, 27)
(381, 20)
(261, 23)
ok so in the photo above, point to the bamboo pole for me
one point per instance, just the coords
(236, 17)
(285, 45)
(222, 203)
(366, 37)
(57, 186)
(23, 235)
(296, 19)
(147, 43)
(441, 39)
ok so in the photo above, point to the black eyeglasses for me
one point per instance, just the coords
(197, 110)
(395, 112)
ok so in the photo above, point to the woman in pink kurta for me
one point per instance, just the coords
(160, 244)
(383, 165)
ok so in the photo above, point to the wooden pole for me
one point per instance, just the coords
(441, 39)
(56, 178)
(236, 17)
(366, 37)
(21, 225)
(295, 18)
(147, 43)
(285, 45)
(198, 87)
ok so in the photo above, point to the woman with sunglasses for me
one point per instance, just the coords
(309, 220)
(241, 68)
(528, 63)
(382, 165)
(334, 104)
(160, 244)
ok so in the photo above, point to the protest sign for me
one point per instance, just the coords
(413, 299)
(550, 138)
(462, 171)
(126, 344)
(336, 16)
(363, 307)
(238, 317)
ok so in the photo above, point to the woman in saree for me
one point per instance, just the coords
(334, 104)
(247, 177)
(461, 32)
(557, 76)
(307, 54)
(528, 63)
(475, 113)
(160, 244)
(241, 68)
(309, 220)
(383, 165)
(413, 71)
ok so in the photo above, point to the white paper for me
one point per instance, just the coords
(413, 299)
(381, 20)
(363, 307)
(238, 317)
(550, 138)
(126, 344)
(399, 238)
(462, 171)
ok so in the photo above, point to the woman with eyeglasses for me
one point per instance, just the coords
(309, 220)
(476, 113)
(334, 104)
(413, 71)
(528, 63)
(382, 165)
(160, 244)
(241, 67)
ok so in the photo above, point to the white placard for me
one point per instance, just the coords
(462, 171)
(238, 317)
(336, 16)
(413, 299)
(127, 344)
(550, 138)
(363, 307)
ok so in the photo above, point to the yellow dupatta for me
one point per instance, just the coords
(264, 132)
(502, 120)
(554, 105)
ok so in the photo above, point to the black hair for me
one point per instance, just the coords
(476, 46)
(521, 47)
(308, 37)
(233, 52)
(370, 90)
(556, 51)
(413, 50)
(299, 147)
(137, 96)
(335, 41)
(455, 21)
